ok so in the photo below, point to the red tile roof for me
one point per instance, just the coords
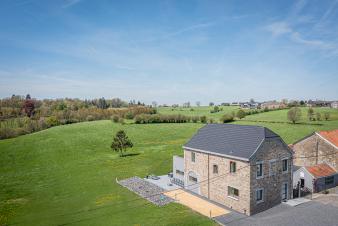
(331, 136)
(321, 170)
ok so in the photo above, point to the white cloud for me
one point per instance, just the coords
(279, 28)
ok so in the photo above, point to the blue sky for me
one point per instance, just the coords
(170, 51)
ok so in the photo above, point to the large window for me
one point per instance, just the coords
(193, 156)
(233, 192)
(259, 172)
(259, 195)
(232, 167)
(215, 169)
(272, 167)
(285, 165)
(329, 180)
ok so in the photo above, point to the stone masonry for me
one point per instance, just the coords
(307, 150)
(215, 185)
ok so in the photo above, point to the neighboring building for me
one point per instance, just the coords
(318, 103)
(318, 147)
(334, 104)
(234, 104)
(315, 178)
(246, 168)
(272, 105)
(250, 105)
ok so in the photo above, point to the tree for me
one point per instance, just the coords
(198, 103)
(302, 102)
(29, 106)
(310, 113)
(240, 114)
(318, 116)
(203, 119)
(211, 104)
(154, 104)
(327, 115)
(294, 114)
(227, 118)
(252, 101)
(121, 142)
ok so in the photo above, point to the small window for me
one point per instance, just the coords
(233, 192)
(272, 167)
(193, 156)
(285, 165)
(259, 172)
(232, 167)
(215, 169)
(259, 195)
(329, 180)
(193, 179)
(179, 172)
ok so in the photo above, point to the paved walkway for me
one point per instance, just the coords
(297, 201)
(163, 182)
(196, 203)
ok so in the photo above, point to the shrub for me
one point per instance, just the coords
(210, 121)
(90, 118)
(129, 115)
(326, 115)
(318, 116)
(240, 114)
(121, 120)
(52, 121)
(194, 119)
(115, 118)
(227, 118)
(203, 119)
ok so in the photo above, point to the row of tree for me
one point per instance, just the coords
(295, 114)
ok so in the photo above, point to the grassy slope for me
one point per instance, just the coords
(48, 176)
(55, 176)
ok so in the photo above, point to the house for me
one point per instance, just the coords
(272, 105)
(246, 168)
(318, 103)
(249, 105)
(334, 104)
(318, 147)
(315, 178)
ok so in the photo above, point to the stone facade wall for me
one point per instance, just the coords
(216, 188)
(308, 148)
(272, 184)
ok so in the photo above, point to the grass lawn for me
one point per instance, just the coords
(58, 176)
(198, 111)
(66, 175)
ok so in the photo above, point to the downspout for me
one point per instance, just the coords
(208, 179)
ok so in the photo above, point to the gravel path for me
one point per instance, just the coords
(146, 190)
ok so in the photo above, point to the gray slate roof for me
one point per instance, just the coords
(228, 139)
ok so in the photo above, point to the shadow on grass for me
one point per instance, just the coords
(129, 154)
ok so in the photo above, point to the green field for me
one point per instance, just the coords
(66, 175)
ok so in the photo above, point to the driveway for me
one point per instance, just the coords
(196, 203)
(322, 211)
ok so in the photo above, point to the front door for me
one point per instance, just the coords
(285, 191)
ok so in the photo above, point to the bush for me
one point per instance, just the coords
(52, 121)
(129, 115)
(210, 121)
(203, 119)
(326, 115)
(121, 120)
(318, 116)
(194, 119)
(240, 114)
(227, 118)
(115, 118)
(90, 118)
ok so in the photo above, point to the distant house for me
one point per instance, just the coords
(235, 104)
(318, 103)
(246, 168)
(249, 105)
(334, 104)
(272, 105)
(315, 178)
(318, 147)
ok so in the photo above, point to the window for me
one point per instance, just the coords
(233, 192)
(193, 179)
(259, 172)
(285, 165)
(259, 195)
(193, 156)
(215, 169)
(272, 167)
(232, 167)
(329, 180)
(179, 172)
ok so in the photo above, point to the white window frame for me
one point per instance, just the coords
(270, 171)
(287, 165)
(193, 159)
(262, 200)
(233, 197)
(260, 163)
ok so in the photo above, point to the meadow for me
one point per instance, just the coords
(66, 175)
